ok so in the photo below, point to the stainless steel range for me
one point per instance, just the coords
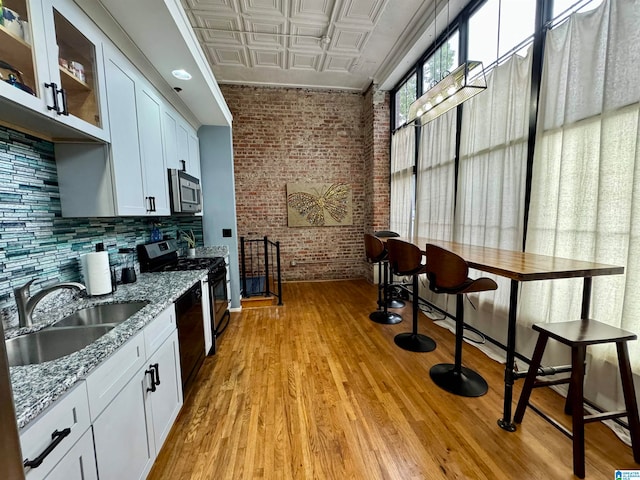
(162, 257)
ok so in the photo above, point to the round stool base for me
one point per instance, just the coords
(395, 304)
(465, 383)
(415, 342)
(385, 318)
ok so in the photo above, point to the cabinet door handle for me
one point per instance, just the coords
(153, 204)
(184, 165)
(157, 369)
(148, 199)
(54, 89)
(56, 438)
(151, 372)
(65, 110)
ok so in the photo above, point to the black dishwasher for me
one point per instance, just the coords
(190, 334)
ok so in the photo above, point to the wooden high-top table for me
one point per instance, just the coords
(522, 267)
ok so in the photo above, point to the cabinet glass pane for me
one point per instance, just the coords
(77, 64)
(16, 54)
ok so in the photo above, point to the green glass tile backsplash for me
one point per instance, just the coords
(35, 241)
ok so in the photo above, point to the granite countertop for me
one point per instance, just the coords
(216, 251)
(36, 387)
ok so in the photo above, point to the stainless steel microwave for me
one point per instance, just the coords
(185, 192)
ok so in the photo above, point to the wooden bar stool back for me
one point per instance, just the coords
(377, 253)
(578, 335)
(448, 273)
(405, 259)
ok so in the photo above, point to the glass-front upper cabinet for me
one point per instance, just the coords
(52, 56)
(18, 68)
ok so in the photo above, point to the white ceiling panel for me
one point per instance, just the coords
(346, 44)
(335, 63)
(267, 58)
(228, 56)
(217, 29)
(264, 7)
(229, 6)
(270, 33)
(348, 41)
(364, 12)
(303, 61)
(306, 37)
(318, 10)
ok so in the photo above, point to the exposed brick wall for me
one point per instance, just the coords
(285, 136)
(381, 160)
(377, 157)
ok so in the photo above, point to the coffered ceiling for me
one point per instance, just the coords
(344, 44)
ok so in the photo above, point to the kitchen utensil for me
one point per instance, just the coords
(127, 262)
(12, 23)
(77, 69)
(26, 32)
(12, 75)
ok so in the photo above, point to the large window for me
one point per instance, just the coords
(440, 63)
(498, 26)
(404, 97)
(403, 181)
(575, 184)
(563, 8)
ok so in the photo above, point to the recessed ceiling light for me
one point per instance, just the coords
(181, 74)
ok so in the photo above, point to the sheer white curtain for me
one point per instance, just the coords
(436, 178)
(491, 179)
(435, 197)
(403, 145)
(585, 201)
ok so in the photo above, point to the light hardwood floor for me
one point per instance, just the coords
(315, 390)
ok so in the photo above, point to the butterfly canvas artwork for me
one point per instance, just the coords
(319, 204)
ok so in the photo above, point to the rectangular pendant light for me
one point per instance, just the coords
(460, 85)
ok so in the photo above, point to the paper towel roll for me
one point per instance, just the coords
(96, 272)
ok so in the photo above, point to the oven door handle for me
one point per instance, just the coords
(223, 325)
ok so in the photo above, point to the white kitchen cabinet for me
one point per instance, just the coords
(128, 177)
(183, 147)
(139, 172)
(124, 450)
(155, 180)
(104, 383)
(181, 143)
(194, 154)
(170, 137)
(144, 409)
(62, 426)
(164, 399)
(126, 161)
(175, 140)
(79, 463)
(57, 55)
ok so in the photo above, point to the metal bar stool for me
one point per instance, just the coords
(377, 253)
(578, 335)
(406, 259)
(391, 302)
(447, 273)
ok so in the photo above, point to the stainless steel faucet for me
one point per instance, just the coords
(27, 304)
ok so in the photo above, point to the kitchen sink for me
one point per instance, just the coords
(51, 343)
(103, 314)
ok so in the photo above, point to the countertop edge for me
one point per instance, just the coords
(37, 387)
